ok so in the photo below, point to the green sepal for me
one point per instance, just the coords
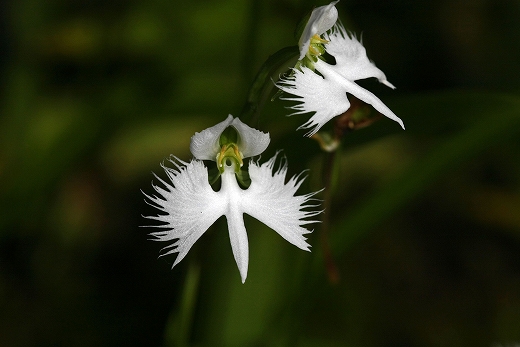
(243, 178)
(229, 135)
(213, 175)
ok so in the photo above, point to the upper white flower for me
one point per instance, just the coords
(191, 206)
(325, 93)
(322, 19)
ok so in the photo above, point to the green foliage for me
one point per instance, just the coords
(425, 227)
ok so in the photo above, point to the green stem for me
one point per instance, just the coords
(250, 39)
(178, 328)
(332, 270)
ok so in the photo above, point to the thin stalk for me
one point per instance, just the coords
(330, 265)
(179, 326)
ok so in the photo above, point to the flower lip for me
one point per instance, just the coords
(188, 206)
(322, 19)
(206, 144)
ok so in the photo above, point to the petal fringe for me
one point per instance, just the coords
(315, 94)
(189, 204)
(274, 203)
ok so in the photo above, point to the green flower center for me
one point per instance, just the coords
(316, 47)
(316, 51)
(229, 153)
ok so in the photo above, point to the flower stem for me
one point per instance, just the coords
(179, 326)
(330, 265)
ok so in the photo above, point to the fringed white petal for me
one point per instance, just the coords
(351, 58)
(315, 94)
(205, 145)
(322, 19)
(190, 207)
(273, 202)
(189, 204)
(250, 141)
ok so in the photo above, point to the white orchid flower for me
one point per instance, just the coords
(325, 93)
(191, 206)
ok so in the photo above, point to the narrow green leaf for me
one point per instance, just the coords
(276, 64)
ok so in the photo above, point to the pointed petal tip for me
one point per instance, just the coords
(243, 272)
(388, 84)
(237, 229)
(400, 122)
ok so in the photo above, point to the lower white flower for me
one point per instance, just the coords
(325, 93)
(191, 206)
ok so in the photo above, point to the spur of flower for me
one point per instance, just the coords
(189, 204)
(322, 88)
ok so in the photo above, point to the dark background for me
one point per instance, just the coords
(425, 222)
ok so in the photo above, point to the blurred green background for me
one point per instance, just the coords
(425, 222)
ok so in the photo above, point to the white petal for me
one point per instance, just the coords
(315, 94)
(330, 74)
(251, 142)
(189, 204)
(235, 220)
(233, 195)
(321, 20)
(273, 202)
(351, 58)
(238, 239)
(205, 145)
